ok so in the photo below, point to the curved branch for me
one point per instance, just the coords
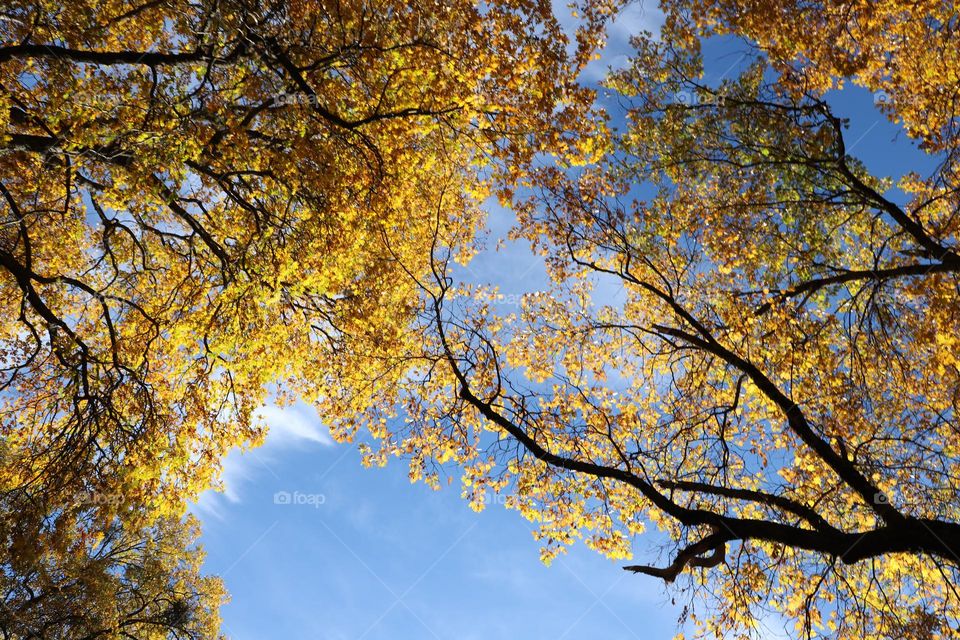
(770, 500)
(690, 556)
(900, 534)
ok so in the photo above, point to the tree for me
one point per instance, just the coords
(903, 52)
(204, 200)
(196, 194)
(64, 582)
(777, 391)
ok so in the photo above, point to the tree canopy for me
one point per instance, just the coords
(203, 199)
(206, 202)
(124, 583)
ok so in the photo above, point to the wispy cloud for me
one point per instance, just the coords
(288, 427)
(633, 19)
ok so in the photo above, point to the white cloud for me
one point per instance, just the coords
(235, 472)
(636, 17)
(288, 427)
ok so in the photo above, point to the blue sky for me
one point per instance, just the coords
(376, 557)
(361, 554)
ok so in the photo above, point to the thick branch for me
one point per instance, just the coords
(855, 275)
(901, 534)
(148, 58)
(690, 556)
(770, 500)
(797, 422)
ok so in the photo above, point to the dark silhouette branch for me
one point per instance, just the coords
(108, 58)
(690, 556)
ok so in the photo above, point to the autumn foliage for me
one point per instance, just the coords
(208, 202)
(202, 199)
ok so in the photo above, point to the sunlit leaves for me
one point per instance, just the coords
(206, 201)
(773, 385)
